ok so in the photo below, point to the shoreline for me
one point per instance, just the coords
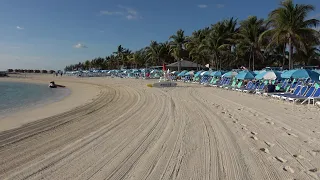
(49, 107)
(37, 103)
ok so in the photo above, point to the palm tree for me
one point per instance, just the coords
(177, 46)
(87, 65)
(290, 25)
(215, 43)
(308, 57)
(155, 52)
(135, 59)
(195, 42)
(248, 37)
(119, 54)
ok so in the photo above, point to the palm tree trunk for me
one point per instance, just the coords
(284, 57)
(215, 59)
(290, 53)
(249, 66)
(118, 66)
(253, 60)
(220, 63)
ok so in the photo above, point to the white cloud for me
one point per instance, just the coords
(130, 17)
(79, 45)
(127, 12)
(111, 13)
(202, 6)
(220, 5)
(20, 28)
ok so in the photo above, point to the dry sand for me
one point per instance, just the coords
(131, 131)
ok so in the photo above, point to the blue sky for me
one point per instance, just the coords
(49, 34)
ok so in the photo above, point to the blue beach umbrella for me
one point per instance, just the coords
(198, 73)
(190, 73)
(252, 72)
(317, 71)
(301, 74)
(287, 74)
(205, 73)
(175, 73)
(182, 73)
(258, 72)
(245, 75)
(217, 73)
(230, 74)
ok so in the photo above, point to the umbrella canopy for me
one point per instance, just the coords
(217, 73)
(258, 72)
(230, 74)
(268, 75)
(182, 73)
(198, 73)
(136, 71)
(190, 73)
(205, 73)
(245, 71)
(245, 75)
(175, 72)
(317, 71)
(301, 74)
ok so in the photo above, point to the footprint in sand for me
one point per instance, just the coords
(285, 128)
(298, 156)
(280, 159)
(313, 170)
(244, 128)
(269, 144)
(291, 134)
(265, 150)
(288, 169)
(253, 133)
(269, 122)
(235, 122)
(254, 137)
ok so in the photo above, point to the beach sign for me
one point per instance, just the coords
(163, 84)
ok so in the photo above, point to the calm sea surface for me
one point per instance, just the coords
(16, 96)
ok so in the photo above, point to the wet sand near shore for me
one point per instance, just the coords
(131, 131)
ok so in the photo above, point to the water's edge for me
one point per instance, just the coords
(45, 100)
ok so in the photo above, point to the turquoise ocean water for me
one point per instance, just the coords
(17, 96)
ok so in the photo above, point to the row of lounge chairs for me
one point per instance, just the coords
(295, 91)
(303, 93)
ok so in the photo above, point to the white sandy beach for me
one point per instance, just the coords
(131, 131)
